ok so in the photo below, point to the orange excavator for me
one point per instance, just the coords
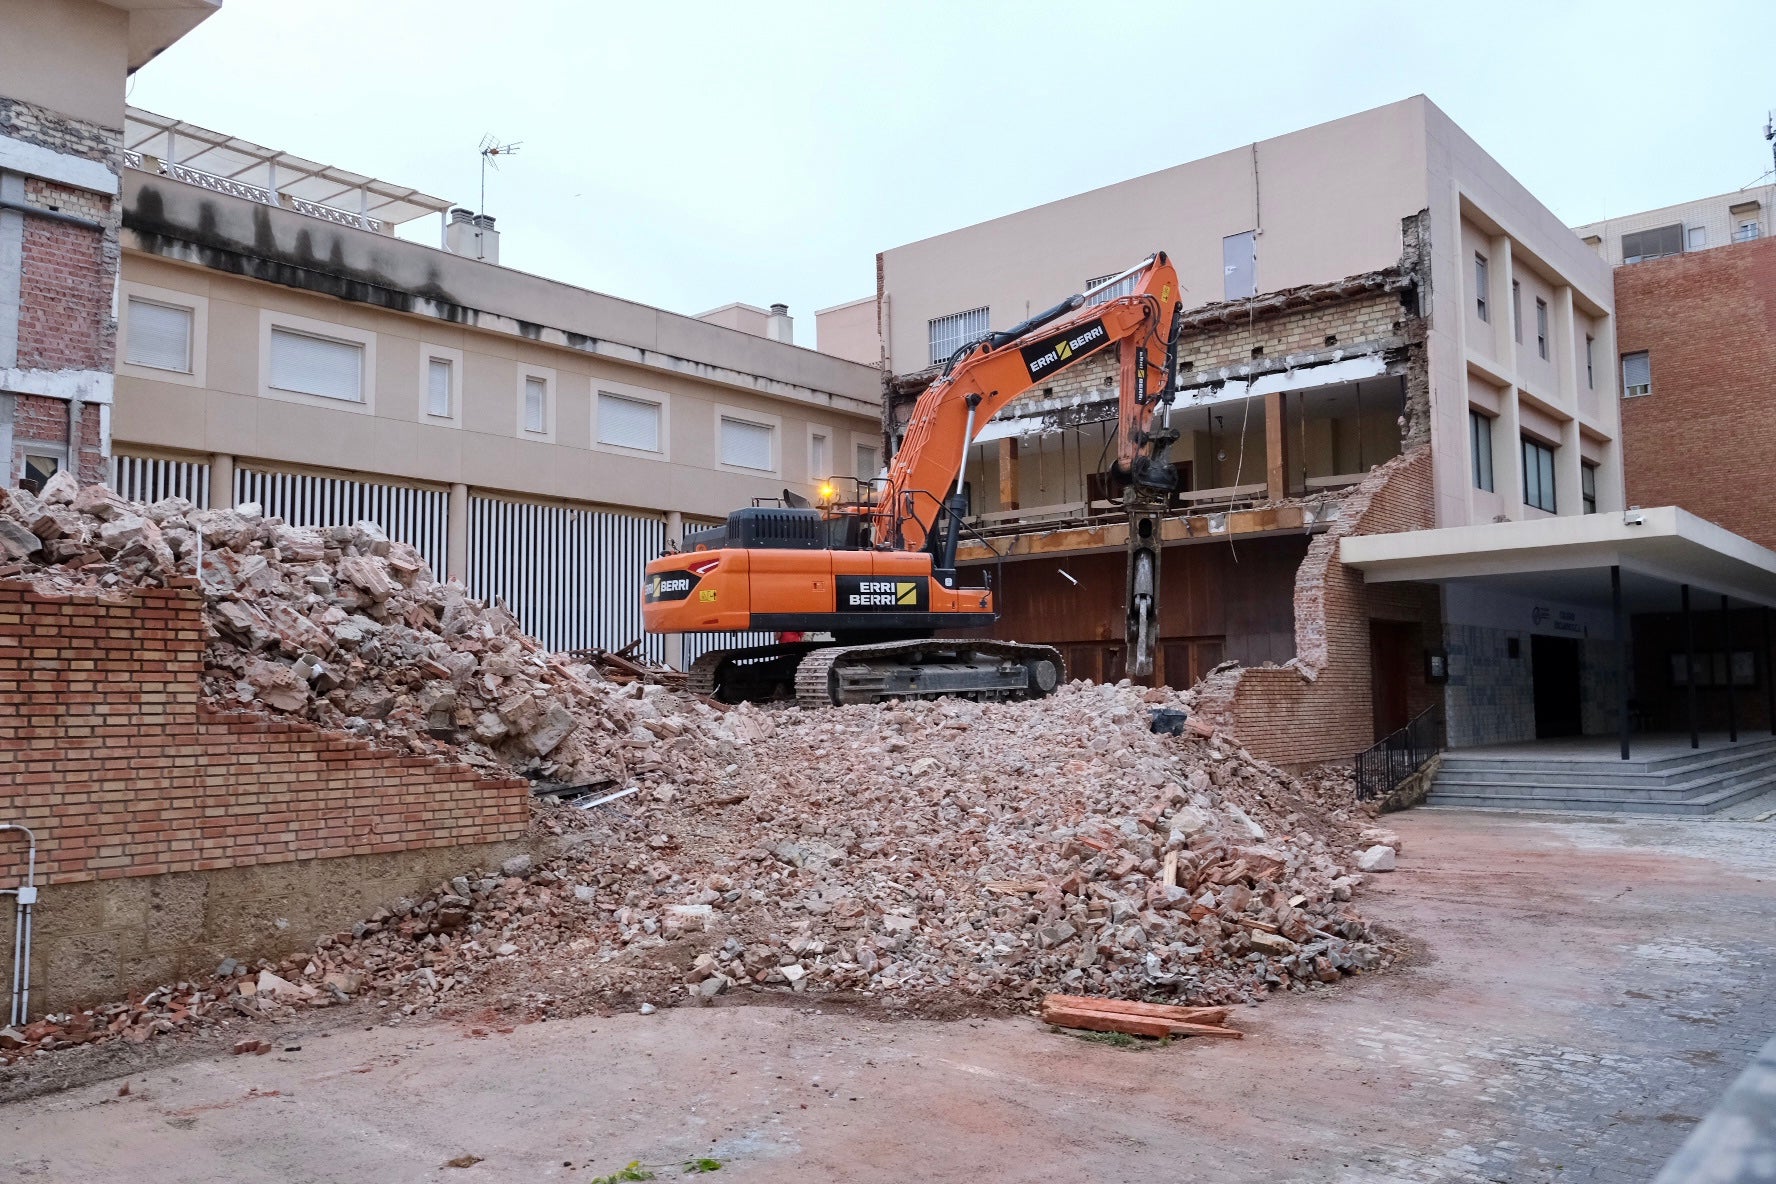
(878, 573)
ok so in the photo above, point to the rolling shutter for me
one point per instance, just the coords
(628, 423)
(746, 445)
(316, 365)
(159, 336)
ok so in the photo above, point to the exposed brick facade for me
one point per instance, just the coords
(66, 282)
(109, 753)
(65, 298)
(1703, 439)
(1317, 707)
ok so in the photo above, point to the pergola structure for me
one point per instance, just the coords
(240, 168)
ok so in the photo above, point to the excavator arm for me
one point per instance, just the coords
(983, 376)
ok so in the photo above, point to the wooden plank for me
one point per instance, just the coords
(1008, 472)
(1169, 874)
(1276, 446)
(1135, 1025)
(1168, 1011)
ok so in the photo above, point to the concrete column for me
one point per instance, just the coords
(12, 266)
(1008, 473)
(1507, 454)
(1569, 369)
(456, 538)
(221, 481)
(1276, 446)
(675, 525)
(1501, 270)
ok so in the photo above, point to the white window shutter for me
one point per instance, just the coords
(628, 423)
(438, 387)
(746, 445)
(819, 457)
(321, 366)
(536, 404)
(866, 461)
(159, 336)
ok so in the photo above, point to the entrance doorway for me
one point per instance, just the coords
(1393, 657)
(1554, 664)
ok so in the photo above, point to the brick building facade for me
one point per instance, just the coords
(248, 835)
(59, 252)
(1701, 437)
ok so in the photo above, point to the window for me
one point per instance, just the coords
(1653, 244)
(1590, 370)
(438, 373)
(1637, 374)
(746, 445)
(1695, 238)
(1480, 435)
(159, 336)
(39, 469)
(949, 334)
(1123, 287)
(628, 423)
(1517, 312)
(1481, 283)
(867, 464)
(1542, 328)
(311, 365)
(819, 456)
(1746, 229)
(536, 404)
(1239, 265)
(1588, 486)
(1538, 475)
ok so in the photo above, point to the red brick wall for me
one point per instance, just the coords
(1317, 707)
(65, 298)
(1704, 438)
(108, 752)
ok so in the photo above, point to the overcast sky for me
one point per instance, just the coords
(691, 154)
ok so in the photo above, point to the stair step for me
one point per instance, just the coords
(1704, 801)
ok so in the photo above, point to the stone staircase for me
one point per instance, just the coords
(1684, 783)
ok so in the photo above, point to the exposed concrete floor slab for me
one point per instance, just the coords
(1582, 993)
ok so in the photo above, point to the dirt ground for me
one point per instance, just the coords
(1579, 994)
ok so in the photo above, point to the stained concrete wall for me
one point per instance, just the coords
(101, 939)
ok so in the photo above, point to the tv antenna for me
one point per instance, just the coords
(491, 150)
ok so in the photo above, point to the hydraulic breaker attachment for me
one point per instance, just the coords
(1142, 632)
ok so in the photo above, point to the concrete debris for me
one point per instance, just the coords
(1377, 859)
(930, 855)
(350, 630)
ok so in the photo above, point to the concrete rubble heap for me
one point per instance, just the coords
(344, 627)
(932, 855)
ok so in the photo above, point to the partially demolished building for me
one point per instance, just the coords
(1383, 331)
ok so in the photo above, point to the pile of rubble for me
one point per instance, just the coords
(344, 627)
(930, 855)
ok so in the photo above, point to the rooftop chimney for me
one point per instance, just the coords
(780, 326)
(472, 236)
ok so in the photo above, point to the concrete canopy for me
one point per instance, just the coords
(1568, 558)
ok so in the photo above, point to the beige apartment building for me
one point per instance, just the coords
(279, 344)
(1390, 348)
(1700, 225)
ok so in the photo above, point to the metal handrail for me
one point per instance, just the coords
(1399, 754)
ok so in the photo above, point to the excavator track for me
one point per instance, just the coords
(829, 676)
(927, 668)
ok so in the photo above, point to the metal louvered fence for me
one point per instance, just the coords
(572, 575)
